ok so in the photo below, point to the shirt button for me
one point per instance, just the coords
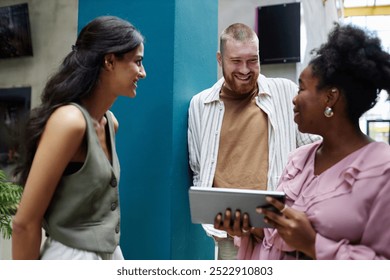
(113, 181)
(113, 206)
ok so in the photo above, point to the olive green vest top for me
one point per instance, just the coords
(84, 211)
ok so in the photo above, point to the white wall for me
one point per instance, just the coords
(53, 29)
(316, 18)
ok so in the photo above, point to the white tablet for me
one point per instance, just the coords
(206, 203)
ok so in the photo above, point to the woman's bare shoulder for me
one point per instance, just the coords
(68, 118)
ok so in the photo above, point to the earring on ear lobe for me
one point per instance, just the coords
(328, 112)
(334, 90)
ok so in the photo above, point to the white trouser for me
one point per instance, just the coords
(54, 250)
(225, 249)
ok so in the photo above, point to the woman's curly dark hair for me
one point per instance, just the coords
(77, 77)
(353, 61)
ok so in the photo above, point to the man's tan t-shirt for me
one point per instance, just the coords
(243, 150)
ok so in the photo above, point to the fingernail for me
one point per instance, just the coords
(259, 210)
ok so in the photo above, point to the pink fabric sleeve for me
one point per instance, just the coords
(246, 246)
(327, 249)
(375, 241)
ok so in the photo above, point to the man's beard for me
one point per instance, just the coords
(237, 86)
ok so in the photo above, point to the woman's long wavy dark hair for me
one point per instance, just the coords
(77, 77)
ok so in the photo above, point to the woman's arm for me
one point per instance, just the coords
(293, 227)
(59, 143)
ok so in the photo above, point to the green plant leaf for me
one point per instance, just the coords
(10, 194)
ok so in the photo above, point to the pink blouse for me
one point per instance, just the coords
(348, 205)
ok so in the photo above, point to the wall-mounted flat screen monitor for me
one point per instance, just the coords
(15, 35)
(278, 29)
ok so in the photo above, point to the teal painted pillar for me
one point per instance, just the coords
(180, 60)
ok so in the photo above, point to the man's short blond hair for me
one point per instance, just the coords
(236, 31)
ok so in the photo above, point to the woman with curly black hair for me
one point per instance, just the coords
(337, 189)
(70, 171)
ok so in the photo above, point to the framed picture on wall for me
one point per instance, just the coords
(15, 34)
(14, 109)
(379, 130)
